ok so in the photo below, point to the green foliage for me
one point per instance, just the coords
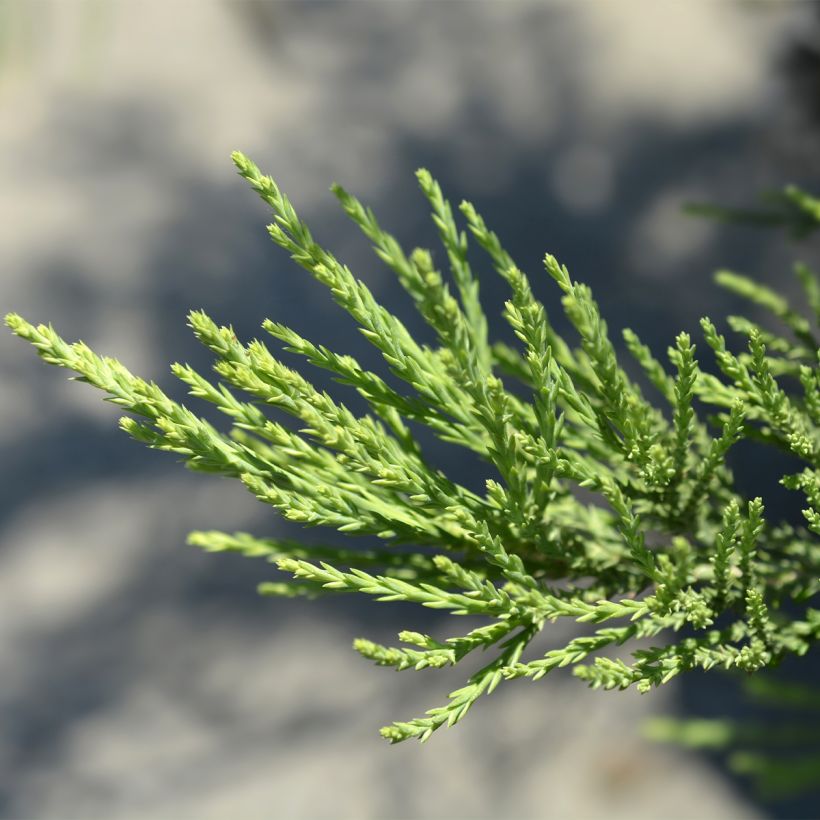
(781, 754)
(790, 208)
(600, 505)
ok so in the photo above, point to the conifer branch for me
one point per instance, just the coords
(599, 506)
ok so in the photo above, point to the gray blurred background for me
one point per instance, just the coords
(139, 678)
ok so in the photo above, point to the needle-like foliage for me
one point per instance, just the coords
(599, 505)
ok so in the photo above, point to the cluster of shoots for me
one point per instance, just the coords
(608, 499)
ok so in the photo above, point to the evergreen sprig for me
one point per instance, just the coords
(599, 505)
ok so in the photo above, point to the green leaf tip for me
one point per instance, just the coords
(240, 160)
(17, 324)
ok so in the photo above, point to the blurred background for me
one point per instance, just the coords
(139, 678)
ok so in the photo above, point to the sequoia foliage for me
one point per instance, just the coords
(602, 504)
